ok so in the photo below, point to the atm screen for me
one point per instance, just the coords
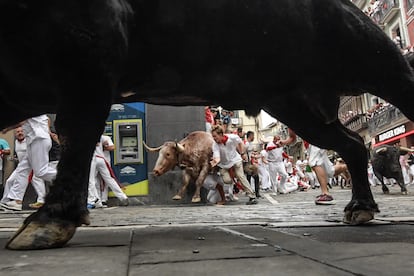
(129, 141)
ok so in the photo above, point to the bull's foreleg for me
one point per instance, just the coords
(362, 207)
(384, 188)
(54, 224)
(199, 183)
(348, 144)
(186, 181)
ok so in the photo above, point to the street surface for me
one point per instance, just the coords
(282, 235)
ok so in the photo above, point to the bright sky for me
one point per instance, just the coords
(266, 118)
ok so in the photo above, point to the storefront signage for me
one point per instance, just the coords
(391, 133)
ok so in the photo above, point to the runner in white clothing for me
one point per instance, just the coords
(99, 165)
(226, 154)
(38, 143)
(101, 186)
(275, 155)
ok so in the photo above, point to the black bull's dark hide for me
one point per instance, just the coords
(294, 59)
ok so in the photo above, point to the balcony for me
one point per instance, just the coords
(357, 123)
(382, 120)
(386, 11)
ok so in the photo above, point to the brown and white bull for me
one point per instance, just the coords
(192, 154)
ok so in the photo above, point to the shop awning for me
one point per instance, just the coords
(395, 138)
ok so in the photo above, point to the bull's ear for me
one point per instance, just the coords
(151, 149)
(180, 148)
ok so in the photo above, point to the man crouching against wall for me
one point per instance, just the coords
(229, 153)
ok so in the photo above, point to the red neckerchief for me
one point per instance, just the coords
(224, 139)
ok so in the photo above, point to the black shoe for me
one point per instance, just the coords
(252, 201)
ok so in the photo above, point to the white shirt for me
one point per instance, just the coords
(105, 139)
(20, 149)
(274, 155)
(228, 153)
(263, 156)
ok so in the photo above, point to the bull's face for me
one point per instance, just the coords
(167, 159)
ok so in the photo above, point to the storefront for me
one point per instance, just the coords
(404, 134)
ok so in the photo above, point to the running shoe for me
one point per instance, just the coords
(252, 201)
(324, 199)
(36, 205)
(12, 205)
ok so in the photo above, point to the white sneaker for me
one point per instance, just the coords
(12, 205)
(98, 204)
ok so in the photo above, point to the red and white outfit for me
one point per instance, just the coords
(16, 185)
(263, 171)
(99, 165)
(275, 155)
(230, 158)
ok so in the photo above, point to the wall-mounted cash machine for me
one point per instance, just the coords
(128, 141)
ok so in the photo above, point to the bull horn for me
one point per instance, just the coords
(381, 150)
(151, 149)
(406, 149)
(179, 147)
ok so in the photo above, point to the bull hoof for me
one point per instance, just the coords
(177, 197)
(195, 199)
(404, 192)
(360, 211)
(45, 234)
(386, 192)
(35, 235)
(358, 217)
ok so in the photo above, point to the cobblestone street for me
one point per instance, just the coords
(187, 239)
(297, 208)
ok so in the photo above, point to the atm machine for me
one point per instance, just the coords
(125, 125)
(128, 141)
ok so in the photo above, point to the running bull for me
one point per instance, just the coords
(385, 162)
(192, 154)
(75, 58)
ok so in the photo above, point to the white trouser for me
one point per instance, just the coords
(411, 173)
(406, 177)
(210, 183)
(98, 166)
(40, 186)
(264, 177)
(275, 169)
(37, 158)
(15, 185)
(292, 184)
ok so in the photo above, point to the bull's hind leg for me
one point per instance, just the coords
(54, 224)
(335, 136)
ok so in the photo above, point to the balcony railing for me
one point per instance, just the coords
(357, 123)
(383, 119)
(386, 10)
